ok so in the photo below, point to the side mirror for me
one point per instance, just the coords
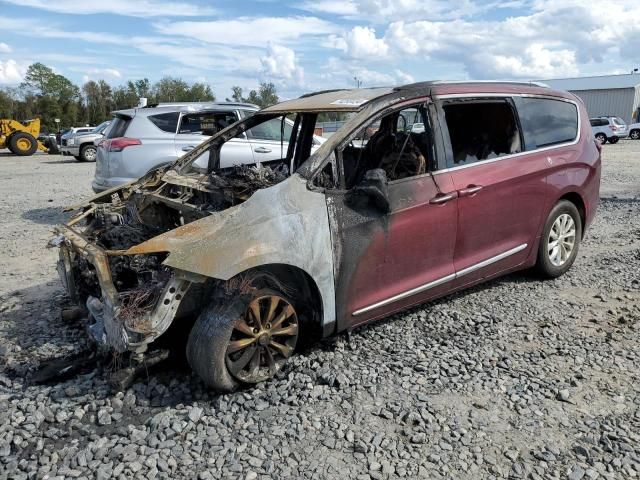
(372, 190)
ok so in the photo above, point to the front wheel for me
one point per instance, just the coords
(88, 153)
(634, 134)
(243, 339)
(560, 240)
(613, 140)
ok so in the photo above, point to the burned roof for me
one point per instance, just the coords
(331, 101)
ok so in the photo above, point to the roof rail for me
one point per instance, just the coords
(507, 82)
(313, 94)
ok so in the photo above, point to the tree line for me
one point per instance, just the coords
(48, 95)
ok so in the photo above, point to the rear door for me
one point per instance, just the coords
(501, 193)
(269, 140)
(195, 128)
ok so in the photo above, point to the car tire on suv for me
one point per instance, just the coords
(243, 338)
(634, 134)
(613, 140)
(88, 153)
(601, 137)
(560, 240)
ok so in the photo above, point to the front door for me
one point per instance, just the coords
(386, 261)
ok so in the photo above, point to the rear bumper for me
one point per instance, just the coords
(100, 184)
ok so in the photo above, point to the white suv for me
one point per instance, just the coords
(609, 129)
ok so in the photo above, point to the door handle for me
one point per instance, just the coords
(188, 149)
(442, 198)
(262, 150)
(470, 190)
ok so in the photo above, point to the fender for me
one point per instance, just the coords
(224, 244)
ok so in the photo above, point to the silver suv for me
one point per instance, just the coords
(81, 145)
(141, 139)
(608, 129)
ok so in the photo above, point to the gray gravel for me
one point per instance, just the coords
(518, 378)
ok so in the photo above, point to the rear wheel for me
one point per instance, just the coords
(614, 140)
(634, 134)
(88, 153)
(243, 339)
(23, 144)
(560, 240)
(601, 137)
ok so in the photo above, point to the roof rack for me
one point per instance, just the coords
(502, 82)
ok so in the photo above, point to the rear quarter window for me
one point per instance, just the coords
(547, 122)
(119, 127)
(167, 122)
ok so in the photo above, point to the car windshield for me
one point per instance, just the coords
(101, 128)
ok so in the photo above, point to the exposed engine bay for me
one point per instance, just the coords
(110, 226)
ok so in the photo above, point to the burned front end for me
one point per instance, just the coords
(129, 295)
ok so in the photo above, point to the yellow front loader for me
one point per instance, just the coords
(22, 138)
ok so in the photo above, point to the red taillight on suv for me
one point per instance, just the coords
(119, 144)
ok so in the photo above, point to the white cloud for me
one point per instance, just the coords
(343, 74)
(252, 31)
(104, 73)
(4, 48)
(280, 63)
(137, 8)
(552, 40)
(12, 72)
(332, 7)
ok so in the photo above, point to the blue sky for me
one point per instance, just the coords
(304, 45)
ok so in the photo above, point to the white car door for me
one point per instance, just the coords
(196, 128)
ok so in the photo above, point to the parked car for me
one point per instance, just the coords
(255, 260)
(144, 138)
(72, 132)
(609, 129)
(82, 145)
(634, 131)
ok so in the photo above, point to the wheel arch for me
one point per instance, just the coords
(578, 201)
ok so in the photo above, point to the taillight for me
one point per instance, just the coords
(119, 144)
(613, 127)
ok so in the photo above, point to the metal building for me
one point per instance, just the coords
(610, 95)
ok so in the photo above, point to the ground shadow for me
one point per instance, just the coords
(47, 215)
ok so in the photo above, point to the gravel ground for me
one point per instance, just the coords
(517, 378)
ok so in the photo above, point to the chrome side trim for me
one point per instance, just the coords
(440, 281)
(406, 294)
(491, 260)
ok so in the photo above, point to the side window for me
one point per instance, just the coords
(398, 143)
(271, 130)
(481, 130)
(167, 122)
(208, 123)
(547, 122)
(593, 122)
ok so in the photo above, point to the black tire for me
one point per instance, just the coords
(77, 157)
(544, 265)
(211, 336)
(88, 153)
(23, 144)
(601, 137)
(634, 134)
(614, 140)
(52, 146)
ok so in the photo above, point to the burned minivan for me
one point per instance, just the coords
(426, 189)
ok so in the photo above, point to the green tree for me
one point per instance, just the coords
(265, 96)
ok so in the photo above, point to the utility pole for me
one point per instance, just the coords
(358, 82)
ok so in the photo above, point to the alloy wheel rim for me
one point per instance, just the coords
(262, 340)
(562, 240)
(601, 138)
(635, 135)
(90, 154)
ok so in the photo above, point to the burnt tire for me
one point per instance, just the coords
(601, 137)
(23, 144)
(213, 345)
(88, 153)
(551, 263)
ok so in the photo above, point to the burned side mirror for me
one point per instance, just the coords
(373, 190)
